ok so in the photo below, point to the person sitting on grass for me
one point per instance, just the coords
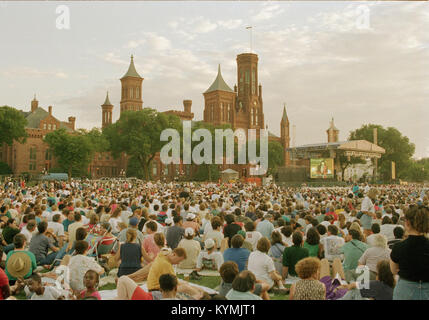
(228, 271)
(90, 281)
(40, 245)
(308, 287)
(243, 287)
(18, 266)
(127, 289)
(209, 259)
(192, 248)
(38, 291)
(293, 254)
(80, 264)
(168, 286)
(237, 254)
(262, 266)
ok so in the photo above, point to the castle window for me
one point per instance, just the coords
(247, 80)
(229, 112)
(48, 155)
(44, 126)
(256, 117)
(154, 170)
(33, 153)
(253, 82)
(221, 111)
(137, 93)
(212, 115)
(54, 127)
(131, 93)
(49, 126)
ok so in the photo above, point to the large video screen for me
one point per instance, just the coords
(322, 168)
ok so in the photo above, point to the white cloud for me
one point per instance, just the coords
(230, 24)
(267, 12)
(24, 72)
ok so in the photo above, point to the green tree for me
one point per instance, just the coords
(73, 152)
(398, 148)
(4, 168)
(12, 124)
(137, 133)
(417, 171)
(275, 156)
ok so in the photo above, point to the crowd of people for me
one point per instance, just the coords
(329, 243)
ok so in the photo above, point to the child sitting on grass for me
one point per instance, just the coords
(90, 281)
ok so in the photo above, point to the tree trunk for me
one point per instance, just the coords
(69, 174)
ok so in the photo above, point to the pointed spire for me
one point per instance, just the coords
(132, 72)
(219, 83)
(107, 101)
(34, 98)
(332, 126)
(284, 117)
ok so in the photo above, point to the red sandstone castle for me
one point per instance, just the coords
(241, 108)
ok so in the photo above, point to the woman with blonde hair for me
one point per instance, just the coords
(308, 287)
(379, 251)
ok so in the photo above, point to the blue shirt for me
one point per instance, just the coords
(238, 255)
(265, 228)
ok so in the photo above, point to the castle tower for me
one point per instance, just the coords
(219, 102)
(106, 113)
(284, 136)
(34, 104)
(131, 97)
(332, 132)
(249, 107)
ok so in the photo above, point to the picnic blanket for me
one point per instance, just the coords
(111, 294)
(207, 273)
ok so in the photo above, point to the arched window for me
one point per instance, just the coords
(131, 93)
(212, 110)
(137, 93)
(256, 117)
(221, 111)
(251, 116)
(229, 112)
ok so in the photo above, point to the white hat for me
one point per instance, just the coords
(168, 221)
(189, 232)
(190, 216)
(209, 243)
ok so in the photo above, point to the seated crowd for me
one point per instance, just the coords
(327, 243)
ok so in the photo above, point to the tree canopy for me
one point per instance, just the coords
(12, 124)
(398, 148)
(137, 134)
(73, 152)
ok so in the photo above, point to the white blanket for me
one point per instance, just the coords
(111, 294)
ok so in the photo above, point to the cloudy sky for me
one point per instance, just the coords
(320, 58)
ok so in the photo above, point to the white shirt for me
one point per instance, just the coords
(387, 230)
(261, 265)
(57, 227)
(367, 205)
(28, 235)
(253, 237)
(52, 214)
(50, 293)
(114, 222)
(78, 266)
(215, 255)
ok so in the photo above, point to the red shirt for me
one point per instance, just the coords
(4, 281)
(333, 214)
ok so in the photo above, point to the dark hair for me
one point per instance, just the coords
(77, 216)
(42, 226)
(31, 224)
(81, 233)
(168, 282)
(81, 246)
(321, 229)
(244, 281)
(216, 223)
(313, 236)
(56, 217)
(386, 220)
(18, 240)
(263, 245)
(333, 229)
(35, 277)
(297, 238)
(10, 221)
(97, 276)
(355, 234)
(249, 226)
(152, 225)
(287, 231)
(229, 218)
(375, 228)
(237, 241)
(228, 271)
(398, 232)
(177, 219)
(385, 274)
(276, 237)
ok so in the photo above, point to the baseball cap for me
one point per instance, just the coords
(189, 232)
(209, 243)
(133, 221)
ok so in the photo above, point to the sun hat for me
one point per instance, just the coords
(168, 221)
(190, 216)
(209, 243)
(18, 264)
(189, 232)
